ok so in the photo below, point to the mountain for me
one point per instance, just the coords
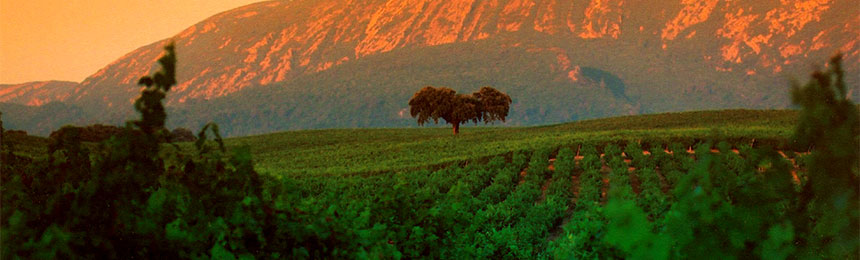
(303, 64)
(42, 120)
(37, 93)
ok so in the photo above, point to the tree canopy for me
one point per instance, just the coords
(488, 105)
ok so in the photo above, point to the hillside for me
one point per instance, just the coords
(362, 151)
(36, 93)
(333, 64)
(367, 151)
(42, 120)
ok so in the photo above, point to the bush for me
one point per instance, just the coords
(182, 135)
(10, 133)
(94, 133)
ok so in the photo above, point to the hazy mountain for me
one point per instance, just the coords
(41, 120)
(37, 93)
(355, 63)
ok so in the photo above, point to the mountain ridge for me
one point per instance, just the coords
(36, 93)
(727, 52)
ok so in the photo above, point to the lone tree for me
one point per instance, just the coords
(488, 105)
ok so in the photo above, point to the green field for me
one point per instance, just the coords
(371, 151)
(351, 151)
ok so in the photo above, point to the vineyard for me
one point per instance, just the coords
(695, 185)
(591, 199)
(380, 151)
(544, 204)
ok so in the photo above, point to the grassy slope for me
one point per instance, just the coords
(358, 151)
(345, 151)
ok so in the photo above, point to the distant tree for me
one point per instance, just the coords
(182, 135)
(488, 105)
(99, 132)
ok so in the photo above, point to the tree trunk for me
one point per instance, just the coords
(456, 127)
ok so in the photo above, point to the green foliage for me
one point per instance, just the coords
(538, 165)
(590, 160)
(565, 162)
(520, 159)
(629, 229)
(827, 214)
(611, 152)
(637, 158)
(749, 207)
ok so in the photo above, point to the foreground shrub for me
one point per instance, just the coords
(751, 209)
(125, 199)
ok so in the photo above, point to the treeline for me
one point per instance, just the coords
(100, 133)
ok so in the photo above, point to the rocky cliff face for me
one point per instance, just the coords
(272, 42)
(718, 46)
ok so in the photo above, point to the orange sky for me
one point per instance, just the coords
(72, 39)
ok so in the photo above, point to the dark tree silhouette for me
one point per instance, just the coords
(155, 89)
(829, 125)
(488, 105)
